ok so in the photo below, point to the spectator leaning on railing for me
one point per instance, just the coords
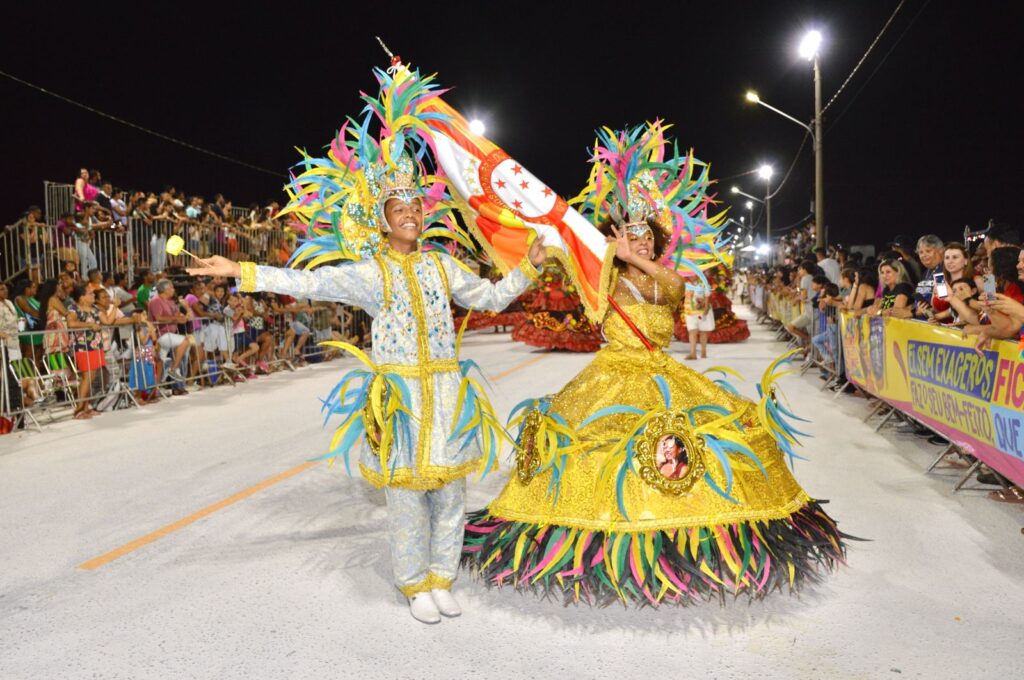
(865, 286)
(897, 292)
(118, 208)
(165, 313)
(804, 292)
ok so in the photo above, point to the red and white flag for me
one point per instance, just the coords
(505, 201)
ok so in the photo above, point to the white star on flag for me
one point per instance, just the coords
(521, 190)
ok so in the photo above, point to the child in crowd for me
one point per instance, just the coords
(827, 340)
(144, 374)
(244, 347)
(964, 304)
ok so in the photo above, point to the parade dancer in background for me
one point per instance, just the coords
(727, 327)
(423, 423)
(555, 318)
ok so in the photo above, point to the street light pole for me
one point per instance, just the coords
(768, 216)
(766, 172)
(819, 184)
(809, 48)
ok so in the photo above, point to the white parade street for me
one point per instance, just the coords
(284, 572)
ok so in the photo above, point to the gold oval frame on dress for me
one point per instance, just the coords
(527, 461)
(374, 435)
(675, 430)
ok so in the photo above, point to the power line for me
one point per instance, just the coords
(793, 226)
(884, 58)
(168, 138)
(792, 165)
(870, 47)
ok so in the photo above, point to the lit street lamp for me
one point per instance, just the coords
(809, 49)
(736, 190)
(477, 127)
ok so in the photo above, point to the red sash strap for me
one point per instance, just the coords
(629, 322)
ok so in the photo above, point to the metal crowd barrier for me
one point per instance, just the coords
(47, 374)
(14, 257)
(828, 355)
(756, 295)
(58, 199)
(826, 350)
(106, 250)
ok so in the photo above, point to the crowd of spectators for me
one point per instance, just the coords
(976, 287)
(102, 211)
(88, 333)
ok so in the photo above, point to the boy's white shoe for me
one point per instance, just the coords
(423, 609)
(445, 602)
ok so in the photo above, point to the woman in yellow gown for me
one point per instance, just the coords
(642, 480)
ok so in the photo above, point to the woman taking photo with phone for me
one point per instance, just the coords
(956, 265)
(1002, 286)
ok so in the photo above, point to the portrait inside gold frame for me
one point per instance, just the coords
(669, 456)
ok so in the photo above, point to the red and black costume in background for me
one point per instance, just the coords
(727, 327)
(555, 318)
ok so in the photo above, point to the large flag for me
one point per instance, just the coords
(503, 201)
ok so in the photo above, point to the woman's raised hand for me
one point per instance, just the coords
(621, 241)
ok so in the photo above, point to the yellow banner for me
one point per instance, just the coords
(933, 373)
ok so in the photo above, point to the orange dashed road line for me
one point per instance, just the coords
(520, 366)
(194, 517)
(132, 546)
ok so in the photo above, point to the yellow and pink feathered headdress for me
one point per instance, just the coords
(639, 173)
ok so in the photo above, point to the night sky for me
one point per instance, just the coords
(928, 143)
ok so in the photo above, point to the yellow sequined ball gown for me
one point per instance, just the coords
(645, 481)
